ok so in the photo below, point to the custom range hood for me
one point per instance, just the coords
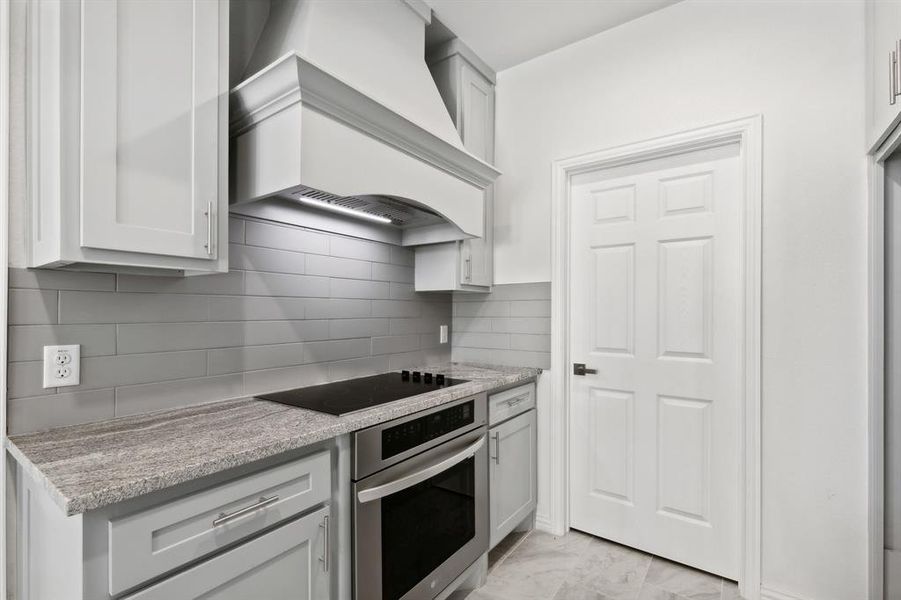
(341, 109)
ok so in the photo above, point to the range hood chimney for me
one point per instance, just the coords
(341, 108)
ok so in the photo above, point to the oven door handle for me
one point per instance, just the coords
(411, 479)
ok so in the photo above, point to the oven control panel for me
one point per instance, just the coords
(410, 434)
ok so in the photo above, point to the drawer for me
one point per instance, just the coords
(154, 541)
(288, 562)
(509, 403)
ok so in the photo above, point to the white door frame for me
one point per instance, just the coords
(876, 364)
(747, 134)
(4, 292)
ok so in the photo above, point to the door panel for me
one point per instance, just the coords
(512, 471)
(611, 430)
(150, 125)
(284, 563)
(655, 307)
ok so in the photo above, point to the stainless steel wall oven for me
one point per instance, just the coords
(420, 501)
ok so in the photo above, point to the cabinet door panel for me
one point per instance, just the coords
(150, 125)
(476, 253)
(477, 113)
(884, 31)
(284, 563)
(512, 472)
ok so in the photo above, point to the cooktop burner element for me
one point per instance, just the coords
(342, 397)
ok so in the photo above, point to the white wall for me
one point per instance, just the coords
(800, 65)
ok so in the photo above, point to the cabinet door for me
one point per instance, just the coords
(513, 473)
(154, 82)
(883, 33)
(284, 563)
(477, 132)
(477, 113)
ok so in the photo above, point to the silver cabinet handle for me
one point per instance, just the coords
(209, 228)
(402, 483)
(468, 271)
(894, 75)
(516, 400)
(227, 517)
(891, 77)
(325, 544)
(497, 448)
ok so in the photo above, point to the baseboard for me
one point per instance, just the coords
(770, 594)
(543, 523)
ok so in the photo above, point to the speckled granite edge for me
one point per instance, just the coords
(85, 467)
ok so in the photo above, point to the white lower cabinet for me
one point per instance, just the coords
(288, 562)
(512, 473)
(266, 531)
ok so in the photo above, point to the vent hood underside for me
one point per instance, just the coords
(300, 131)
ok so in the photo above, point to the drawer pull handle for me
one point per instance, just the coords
(226, 517)
(514, 401)
(325, 544)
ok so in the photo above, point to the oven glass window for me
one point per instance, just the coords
(425, 525)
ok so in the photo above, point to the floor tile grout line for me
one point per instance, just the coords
(644, 579)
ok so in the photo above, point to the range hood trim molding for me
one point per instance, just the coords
(293, 79)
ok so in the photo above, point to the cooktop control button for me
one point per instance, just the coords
(416, 375)
(405, 376)
(427, 377)
(439, 379)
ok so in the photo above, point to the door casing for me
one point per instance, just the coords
(747, 133)
(876, 364)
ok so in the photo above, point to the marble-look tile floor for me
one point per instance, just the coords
(540, 566)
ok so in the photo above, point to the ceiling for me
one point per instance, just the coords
(505, 33)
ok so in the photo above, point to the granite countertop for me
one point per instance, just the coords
(84, 467)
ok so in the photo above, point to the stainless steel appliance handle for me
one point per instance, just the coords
(226, 517)
(411, 479)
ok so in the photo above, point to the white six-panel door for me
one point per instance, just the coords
(655, 308)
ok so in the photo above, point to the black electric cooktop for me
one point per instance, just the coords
(342, 397)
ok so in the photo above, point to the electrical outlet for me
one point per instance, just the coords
(62, 365)
(442, 333)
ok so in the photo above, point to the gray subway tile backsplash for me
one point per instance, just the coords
(357, 328)
(255, 258)
(135, 399)
(33, 307)
(224, 283)
(55, 410)
(299, 307)
(509, 326)
(61, 280)
(361, 249)
(26, 342)
(285, 237)
(260, 283)
(256, 308)
(117, 307)
(333, 266)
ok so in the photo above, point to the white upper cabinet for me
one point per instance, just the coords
(466, 85)
(128, 134)
(475, 121)
(883, 21)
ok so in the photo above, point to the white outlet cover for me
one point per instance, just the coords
(442, 333)
(62, 365)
